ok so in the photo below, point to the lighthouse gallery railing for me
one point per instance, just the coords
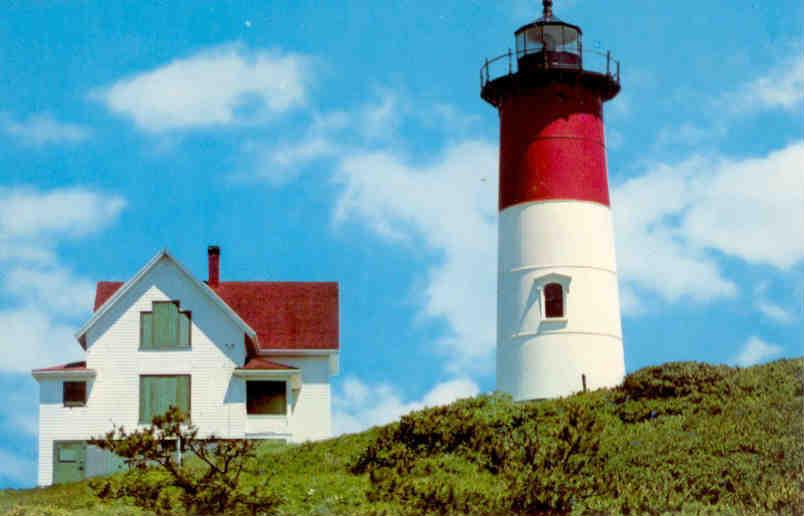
(592, 61)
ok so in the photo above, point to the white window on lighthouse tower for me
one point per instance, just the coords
(554, 288)
(547, 303)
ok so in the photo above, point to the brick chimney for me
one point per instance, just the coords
(214, 259)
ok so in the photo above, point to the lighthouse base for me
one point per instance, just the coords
(558, 364)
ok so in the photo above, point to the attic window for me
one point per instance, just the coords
(165, 327)
(553, 300)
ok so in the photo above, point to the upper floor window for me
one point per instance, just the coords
(75, 394)
(553, 300)
(165, 327)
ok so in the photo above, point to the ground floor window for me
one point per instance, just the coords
(159, 392)
(266, 397)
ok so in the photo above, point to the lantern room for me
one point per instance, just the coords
(549, 50)
(549, 43)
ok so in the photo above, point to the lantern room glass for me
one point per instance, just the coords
(557, 44)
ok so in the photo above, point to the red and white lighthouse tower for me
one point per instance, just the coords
(558, 310)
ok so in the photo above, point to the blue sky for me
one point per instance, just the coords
(348, 142)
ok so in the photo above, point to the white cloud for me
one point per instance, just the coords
(770, 309)
(29, 213)
(44, 297)
(326, 137)
(750, 208)
(304, 152)
(448, 119)
(219, 86)
(16, 469)
(688, 134)
(780, 89)
(30, 252)
(53, 288)
(671, 219)
(630, 303)
(279, 164)
(31, 338)
(650, 251)
(774, 312)
(449, 204)
(41, 129)
(754, 351)
(619, 108)
(357, 405)
(380, 120)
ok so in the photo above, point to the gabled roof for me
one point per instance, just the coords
(285, 315)
(118, 293)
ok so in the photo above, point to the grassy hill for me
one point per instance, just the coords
(681, 437)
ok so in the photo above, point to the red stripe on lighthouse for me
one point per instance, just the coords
(552, 146)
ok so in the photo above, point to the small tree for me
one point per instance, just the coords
(209, 483)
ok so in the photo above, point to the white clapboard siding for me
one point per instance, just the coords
(310, 406)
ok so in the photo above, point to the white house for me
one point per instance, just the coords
(245, 359)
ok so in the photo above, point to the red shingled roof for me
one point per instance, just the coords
(285, 315)
(72, 366)
(258, 363)
(104, 291)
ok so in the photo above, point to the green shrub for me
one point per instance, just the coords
(559, 464)
(678, 379)
(208, 483)
(684, 437)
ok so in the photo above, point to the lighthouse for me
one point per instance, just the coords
(558, 309)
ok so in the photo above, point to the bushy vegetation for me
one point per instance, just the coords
(681, 437)
(210, 481)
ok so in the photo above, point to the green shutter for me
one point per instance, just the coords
(145, 399)
(166, 325)
(184, 329)
(183, 394)
(153, 399)
(166, 393)
(158, 393)
(146, 330)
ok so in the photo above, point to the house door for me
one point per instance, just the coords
(68, 461)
